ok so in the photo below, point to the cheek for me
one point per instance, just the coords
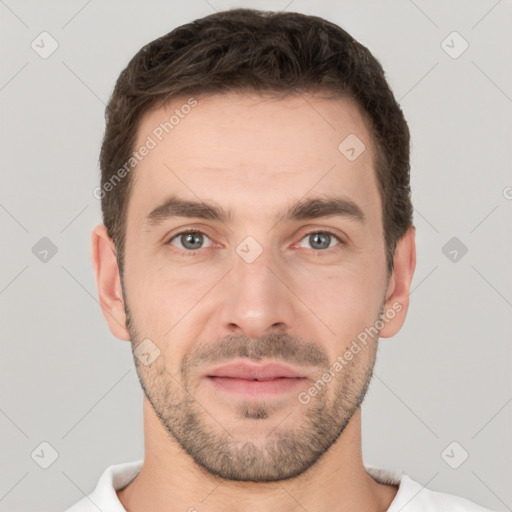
(165, 290)
(347, 300)
(164, 305)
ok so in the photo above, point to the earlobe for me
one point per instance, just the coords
(108, 282)
(397, 294)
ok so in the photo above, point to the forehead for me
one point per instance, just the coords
(244, 148)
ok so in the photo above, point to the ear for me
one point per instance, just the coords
(397, 294)
(108, 281)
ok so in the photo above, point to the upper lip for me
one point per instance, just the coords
(259, 371)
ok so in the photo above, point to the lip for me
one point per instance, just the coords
(259, 371)
(255, 379)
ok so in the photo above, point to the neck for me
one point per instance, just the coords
(171, 481)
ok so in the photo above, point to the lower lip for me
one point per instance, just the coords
(256, 387)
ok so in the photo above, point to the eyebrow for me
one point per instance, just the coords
(174, 207)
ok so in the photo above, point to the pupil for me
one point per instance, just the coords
(322, 238)
(189, 238)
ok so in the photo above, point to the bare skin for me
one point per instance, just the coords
(296, 303)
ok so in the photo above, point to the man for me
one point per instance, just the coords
(257, 242)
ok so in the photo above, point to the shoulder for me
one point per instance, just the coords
(104, 496)
(414, 497)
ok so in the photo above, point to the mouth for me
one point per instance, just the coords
(255, 379)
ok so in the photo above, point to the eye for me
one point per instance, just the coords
(192, 241)
(321, 239)
(189, 241)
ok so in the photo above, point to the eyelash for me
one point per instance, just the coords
(198, 231)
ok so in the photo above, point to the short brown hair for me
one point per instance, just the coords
(278, 53)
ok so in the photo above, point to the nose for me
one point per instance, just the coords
(256, 299)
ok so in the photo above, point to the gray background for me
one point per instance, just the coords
(445, 377)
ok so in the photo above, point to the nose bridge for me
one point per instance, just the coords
(257, 301)
(252, 269)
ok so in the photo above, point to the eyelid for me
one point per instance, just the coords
(327, 231)
(191, 231)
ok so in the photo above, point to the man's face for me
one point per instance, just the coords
(257, 286)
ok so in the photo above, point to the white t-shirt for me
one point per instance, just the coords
(411, 495)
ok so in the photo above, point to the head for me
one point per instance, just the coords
(256, 206)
